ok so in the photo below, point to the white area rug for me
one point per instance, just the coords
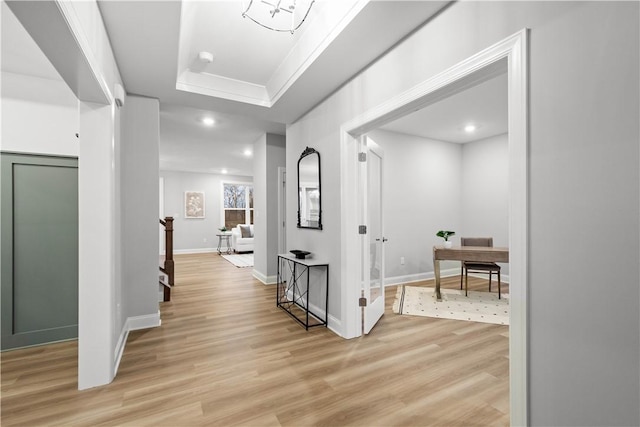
(240, 260)
(477, 307)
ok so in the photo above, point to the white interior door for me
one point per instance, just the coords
(373, 240)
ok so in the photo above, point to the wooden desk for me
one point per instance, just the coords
(465, 253)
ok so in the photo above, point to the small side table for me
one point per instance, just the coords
(226, 238)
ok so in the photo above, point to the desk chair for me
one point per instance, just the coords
(478, 267)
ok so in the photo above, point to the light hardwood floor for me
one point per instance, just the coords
(225, 355)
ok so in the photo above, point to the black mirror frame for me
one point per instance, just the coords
(307, 152)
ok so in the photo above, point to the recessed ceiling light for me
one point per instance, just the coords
(208, 121)
(247, 152)
(470, 128)
(224, 171)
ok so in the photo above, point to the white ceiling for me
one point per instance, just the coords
(187, 145)
(232, 40)
(156, 45)
(259, 80)
(483, 105)
(153, 50)
(20, 54)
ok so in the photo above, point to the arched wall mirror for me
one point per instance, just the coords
(309, 194)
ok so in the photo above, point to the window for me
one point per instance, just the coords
(238, 204)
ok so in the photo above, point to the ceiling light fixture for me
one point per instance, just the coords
(268, 14)
(224, 171)
(247, 152)
(469, 128)
(208, 121)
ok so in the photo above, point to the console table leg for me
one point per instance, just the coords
(436, 271)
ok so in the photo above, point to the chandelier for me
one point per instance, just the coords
(278, 15)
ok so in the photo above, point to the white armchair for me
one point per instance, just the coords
(241, 243)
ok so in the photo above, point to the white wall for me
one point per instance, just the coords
(260, 200)
(276, 157)
(73, 37)
(38, 116)
(485, 191)
(584, 368)
(422, 194)
(140, 151)
(269, 154)
(195, 234)
(432, 185)
(321, 243)
(97, 278)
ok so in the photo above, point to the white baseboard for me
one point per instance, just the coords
(319, 311)
(504, 278)
(266, 280)
(144, 322)
(196, 251)
(334, 325)
(132, 324)
(411, 278)
(120, 348)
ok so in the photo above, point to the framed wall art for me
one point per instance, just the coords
(194, 204)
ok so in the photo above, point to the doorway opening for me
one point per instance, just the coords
(481, 67)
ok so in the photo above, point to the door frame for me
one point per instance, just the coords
(480, 67)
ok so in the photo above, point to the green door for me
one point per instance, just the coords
(39, 289)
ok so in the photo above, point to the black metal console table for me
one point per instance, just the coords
(293, 290)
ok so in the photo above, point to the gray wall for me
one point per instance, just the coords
(49, 103)
(422, 182)
(139, 153)
(195, 234)
(584, 327)
(584, 248)
(432, 185)
(485, 190)
(260, 199)
(269, 154)
(276, 157)
(27, 99)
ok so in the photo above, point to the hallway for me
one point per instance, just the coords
(226, 355)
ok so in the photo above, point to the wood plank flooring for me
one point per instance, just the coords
(226, 355)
